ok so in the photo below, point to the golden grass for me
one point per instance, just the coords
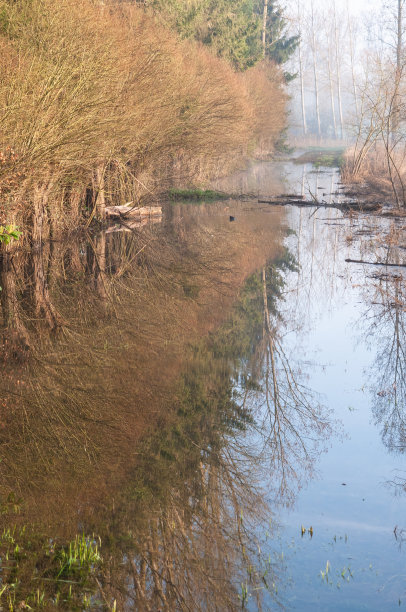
(379, 172)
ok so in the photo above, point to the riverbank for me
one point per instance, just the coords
(377, 175)
(103, 105)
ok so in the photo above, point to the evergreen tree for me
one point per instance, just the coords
(233, 30)
(231, 27)
(279, 46)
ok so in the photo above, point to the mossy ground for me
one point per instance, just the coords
(197, 194)
(326, 157)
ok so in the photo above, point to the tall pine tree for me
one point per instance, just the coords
(232, 28)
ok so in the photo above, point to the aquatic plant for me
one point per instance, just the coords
(82, 555)
(197, 194)
(37, 572)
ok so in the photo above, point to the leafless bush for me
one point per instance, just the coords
(99, 99)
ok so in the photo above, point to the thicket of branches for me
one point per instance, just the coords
(103, 98)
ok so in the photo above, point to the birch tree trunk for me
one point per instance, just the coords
(398, 73)
(316, 81)
(399, 42)
(301, 74)
(354, 85)
(331, 86)
(264, 22)
(340, 104)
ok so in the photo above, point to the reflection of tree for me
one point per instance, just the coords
(387, 323)
(125, 305)
(15, 343)
(178, 510)
(181, 531)
(291, 411)
(193, 545)
(24, 304)
(199, 548)
(288, 421)
(201, 542)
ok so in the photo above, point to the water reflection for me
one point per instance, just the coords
(152, 394)
(104, 323)
(356, 520)
(388, 325)
(203, 549)
(143, 402)
(288, 418)
(383, 324)
(193, 543)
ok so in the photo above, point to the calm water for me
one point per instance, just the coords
(352, 327)
(222, 403)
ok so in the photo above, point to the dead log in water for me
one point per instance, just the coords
(376, 263)
(132, 224)
(360, 206)
(128, 211)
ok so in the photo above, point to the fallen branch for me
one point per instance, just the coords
(127, 211)
(376, 263)
(363, 207)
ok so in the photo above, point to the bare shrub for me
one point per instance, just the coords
(386, 177)
(267, 98)
(108, 103)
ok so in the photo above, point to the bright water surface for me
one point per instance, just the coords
(346, 324)
(198, 432)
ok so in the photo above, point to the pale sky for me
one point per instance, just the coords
(356, 6)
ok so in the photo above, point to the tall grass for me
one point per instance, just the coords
(378, 170)
(99, 104)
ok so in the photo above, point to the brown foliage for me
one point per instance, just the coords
(89, 88)
(264, 86)
(378, 174)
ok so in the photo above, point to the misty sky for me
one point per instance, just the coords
(356, 6)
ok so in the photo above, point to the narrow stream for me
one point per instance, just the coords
(218, 399)
(349, 321)
(343, 325)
